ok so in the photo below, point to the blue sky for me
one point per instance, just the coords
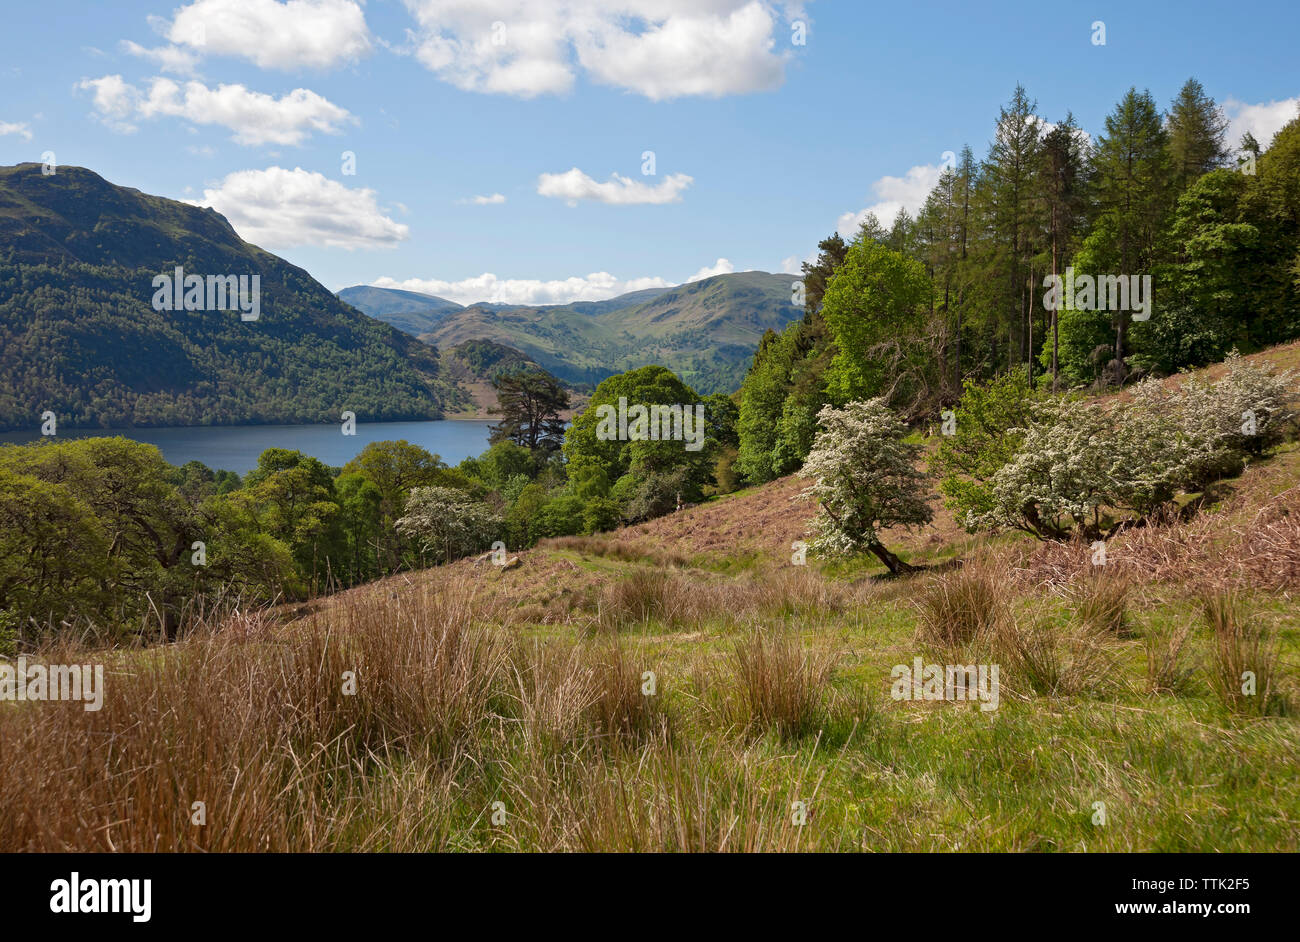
(762, 146)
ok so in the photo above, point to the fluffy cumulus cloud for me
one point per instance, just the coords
(893, 194)
(722, 266)
(496, 199)
(296, 34)
(15, 127)
(662, 49)
(574, 185)
(278, 208)
(489, 288)
(254, 117)
(1262, 120)
(165, 58)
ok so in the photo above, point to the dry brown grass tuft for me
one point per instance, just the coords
(1166, 670)
(1100, 598)
(646, 595)
(961, 607)
(1245, 654)
(256, 726)
(1056, 661)
(781, 683)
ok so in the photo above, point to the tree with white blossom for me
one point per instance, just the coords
(865, 479)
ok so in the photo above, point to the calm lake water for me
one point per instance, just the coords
(235, 448)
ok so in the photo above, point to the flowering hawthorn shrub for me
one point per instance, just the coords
(864, 479)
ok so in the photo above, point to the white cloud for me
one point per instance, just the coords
(494, 200)
(489, 288)
(661, 49)
(574, 185)
(19, 128)
(278, 208)
(255, 117)
(793, 264)
(893, 194)
(114, 99)
(721, 267)
(598, 286)
(1262, 120)
(167, 58)
(317, 34)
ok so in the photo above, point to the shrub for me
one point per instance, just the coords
(448, 523)
(560, 516)
(989, 425)
(864, 479)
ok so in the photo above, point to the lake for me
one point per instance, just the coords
(235, 448)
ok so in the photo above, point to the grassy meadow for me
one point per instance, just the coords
(503, 709)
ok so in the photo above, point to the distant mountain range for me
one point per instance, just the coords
(408, 311)
(706, 331)
(86, 331)
(81, 334)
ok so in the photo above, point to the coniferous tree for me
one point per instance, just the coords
(1196, 130)
(530, 403)
(1133, 196)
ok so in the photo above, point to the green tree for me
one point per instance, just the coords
(865, 479)
(1133, 194)
(1196, 129)
(530, 403)
(595, 452)
(874, 308)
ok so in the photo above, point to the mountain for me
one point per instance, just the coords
(706, 331)
(80, 335)
(408, 311)
(631, 299)
(474, 364)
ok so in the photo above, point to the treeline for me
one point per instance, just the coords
(914, 312)
(101, 535)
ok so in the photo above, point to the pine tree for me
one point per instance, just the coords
(1133, 194)
(1063, 177)
(1009, 175)
(1196, 131)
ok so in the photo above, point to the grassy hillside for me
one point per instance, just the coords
(79, 335)
(771, 725)
(705, 331)
(409, 311)
(473, 365)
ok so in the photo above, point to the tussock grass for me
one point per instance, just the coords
(1057, 661)
(961, 607)
(1244, 653)
(1168, 669)
(782, 684)
(1100, 599)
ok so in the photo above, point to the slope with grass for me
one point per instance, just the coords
(682, 686)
